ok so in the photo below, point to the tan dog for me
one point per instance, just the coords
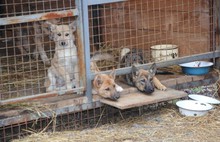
(64, 65)
(105, 86)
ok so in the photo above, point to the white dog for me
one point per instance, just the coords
(64, 65)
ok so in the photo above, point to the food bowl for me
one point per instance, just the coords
(196, 68)
(193, 108)
(204, 99)
(164, 52)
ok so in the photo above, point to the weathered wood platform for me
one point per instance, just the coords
(137, 99)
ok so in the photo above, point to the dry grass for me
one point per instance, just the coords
(165, 125)
(22, 78)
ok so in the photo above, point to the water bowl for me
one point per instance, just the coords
(196, 68)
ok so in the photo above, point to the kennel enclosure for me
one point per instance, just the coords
(106, 26)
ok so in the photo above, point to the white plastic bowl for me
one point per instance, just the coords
(193, 108)
(204, 99)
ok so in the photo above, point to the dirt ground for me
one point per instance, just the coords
(162, 125)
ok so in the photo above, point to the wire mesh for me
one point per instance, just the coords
(178, 28)
(70, 121)
(27, 49)
(10, 8)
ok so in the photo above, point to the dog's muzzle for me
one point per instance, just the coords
(63, 43)
(115, 97)
(149, 90)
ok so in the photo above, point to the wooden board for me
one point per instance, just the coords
(139, 99)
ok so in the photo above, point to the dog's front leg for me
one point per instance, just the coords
(52, 78)
(67, 79)
(65, 75)
(158, 84)
(76, 78)
(39, 45)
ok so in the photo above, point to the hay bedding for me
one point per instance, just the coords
(165, 124)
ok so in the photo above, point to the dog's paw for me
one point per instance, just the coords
(69, 86)
(79, 92)
(162, 88)
(50, 89)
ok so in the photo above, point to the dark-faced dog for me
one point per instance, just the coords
(144, 80)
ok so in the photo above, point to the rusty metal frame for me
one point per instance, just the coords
(85, 18)
(208, 55)
(33, 116)
(38, 17)
(47, 16)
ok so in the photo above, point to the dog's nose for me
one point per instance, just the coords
(63, 43)
(115, 97)
(149, 90)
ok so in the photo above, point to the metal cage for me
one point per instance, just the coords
(28, 46)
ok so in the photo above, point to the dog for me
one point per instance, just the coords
(104, 85)
(63, 72)
(144, 80)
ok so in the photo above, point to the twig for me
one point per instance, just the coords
(100, 117)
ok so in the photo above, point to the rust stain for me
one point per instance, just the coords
(81, 57)
(54, 15)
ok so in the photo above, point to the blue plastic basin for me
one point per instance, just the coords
(196, 68)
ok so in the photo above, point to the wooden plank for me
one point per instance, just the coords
(139, 99)
(19, 113)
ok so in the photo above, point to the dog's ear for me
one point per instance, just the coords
(73, 25)
(52, 27)
(97, 81)
(112, 74)
(134, 70)
(153, 69)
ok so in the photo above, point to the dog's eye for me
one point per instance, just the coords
(142, 80)
(67, 34)
(59, 34)
(107, 89)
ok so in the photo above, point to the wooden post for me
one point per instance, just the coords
(218, 32)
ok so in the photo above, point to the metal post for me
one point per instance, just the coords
(85, 22)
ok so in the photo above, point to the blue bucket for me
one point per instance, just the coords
(196, 68)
